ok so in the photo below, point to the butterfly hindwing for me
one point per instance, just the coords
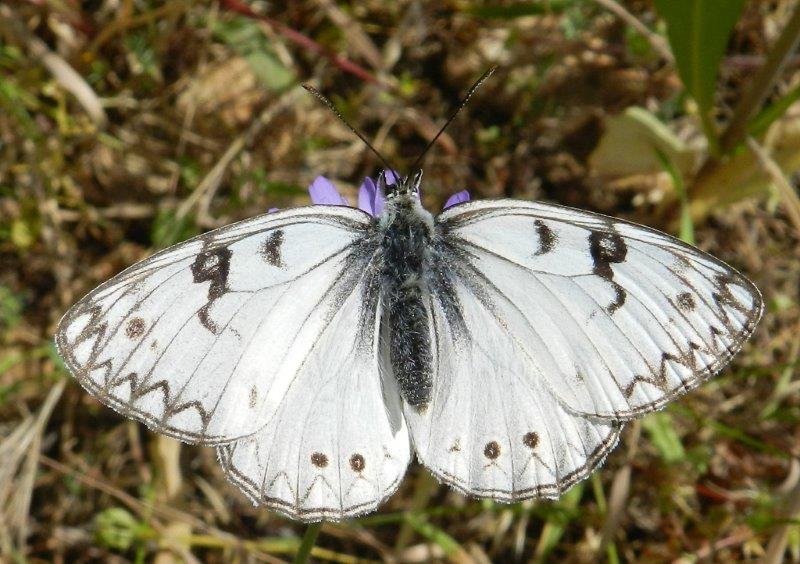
(338, 444)
(491, 429)
(202, 341)
(613, 318)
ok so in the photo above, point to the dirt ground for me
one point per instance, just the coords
(191, 117)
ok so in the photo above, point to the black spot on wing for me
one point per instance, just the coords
(607, 248)
(531, 439)
(212, 266)
(357, 463)
(547, 239)
(686, 302)
(271, 248)
(135, 328)
(491, 450)
(319, 460)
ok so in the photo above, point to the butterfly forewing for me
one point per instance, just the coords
(614, 319)
(202, 341)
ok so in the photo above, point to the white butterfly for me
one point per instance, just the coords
(505, 342)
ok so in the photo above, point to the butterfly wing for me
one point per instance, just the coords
(338, 445)
(554, 326)
(203, 340)
(492, 428)
(615, 318)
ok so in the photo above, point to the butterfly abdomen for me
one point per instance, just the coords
(406, 248)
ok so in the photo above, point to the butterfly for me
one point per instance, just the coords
(504, 342)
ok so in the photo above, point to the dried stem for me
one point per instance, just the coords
(787, 192)
(64, 74)
(658, 42)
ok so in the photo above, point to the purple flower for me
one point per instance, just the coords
(370, 199)
(322, 191)
(457, 198)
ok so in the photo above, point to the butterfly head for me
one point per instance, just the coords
(405, 186)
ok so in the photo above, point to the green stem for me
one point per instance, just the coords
(762, 82)
(309, 538)
(710, 130)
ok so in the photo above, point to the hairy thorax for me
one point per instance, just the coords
(407, 230)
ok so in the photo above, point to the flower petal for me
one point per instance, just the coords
(457, 198)
(370, 198)
(323, 192)
(270, 210)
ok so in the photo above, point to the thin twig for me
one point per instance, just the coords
(64, 74)
(360, 41)
(204, 193)
(148, 510)
(20, 455)
(299, 39)
(777, 544)
(658, 42)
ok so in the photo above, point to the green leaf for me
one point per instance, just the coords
(117, 529)
(633, 142)
(698, 32)
(245, 36)
(771, 113)
(270, 71)
(11, 306)
(662, 433)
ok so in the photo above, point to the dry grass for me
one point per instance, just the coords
(131, 125)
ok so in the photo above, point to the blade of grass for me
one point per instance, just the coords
(309, 538)
(661, 429)
(686, 226)
(732, 432)
(556, 525)
(771, 113)
(437, 536)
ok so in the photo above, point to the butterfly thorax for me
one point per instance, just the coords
(407, 229)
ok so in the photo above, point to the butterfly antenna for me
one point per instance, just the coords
(461, 104)
(339, 115)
